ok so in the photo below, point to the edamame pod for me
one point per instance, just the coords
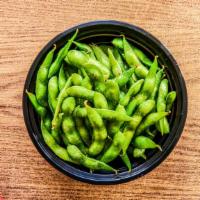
(150, 120)
(38, 108)
(42, 79)
(87, 162)
(170, 100)
(54, 68)
(142, 142)
(53, 92)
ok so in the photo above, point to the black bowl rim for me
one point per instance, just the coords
(42, 150)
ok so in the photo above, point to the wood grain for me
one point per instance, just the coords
(25, 27)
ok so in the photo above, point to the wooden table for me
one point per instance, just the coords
(25, 27)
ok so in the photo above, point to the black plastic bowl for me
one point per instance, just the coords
(105, 31)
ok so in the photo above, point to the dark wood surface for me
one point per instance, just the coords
(25, 27)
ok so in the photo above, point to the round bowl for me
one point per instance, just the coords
(98, 31)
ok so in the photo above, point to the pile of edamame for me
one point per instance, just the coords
(101, 102)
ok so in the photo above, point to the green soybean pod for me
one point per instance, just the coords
(100, 86)
(142, 142)
(76, 79)
(72, 135)
(126, 161)
(159, 75)
(151, 119)
(112, 91)
(133, 90)
(118, 42)
(115, 148)
(124, 77)
(86, 82)
(64, 139)
(139, 153)
(62, 95)
(38, 108)
(129, 131)
(95, 69)
(51, 143)
(161, 106)
(115, 67)
(100, 101)
(114, 126)
(133, 61)
(101, 56)
(54, 68)
(87, 162)
(55, 132)
(99, 131)
(147, 88)
(68, 105)
(61, 78)
(86, 48)
(47, 121)
(80, 92)
(142, 56)
(119, 59)
(53, 92)
(107, 114)
(42, 79)
(171, 96)
(82, 130)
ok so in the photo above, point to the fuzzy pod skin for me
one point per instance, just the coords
(161, 106)
(151, 119)
(47, 121)
(131, 58)
(42, 79)
(115, 148)
(124, 77)
(112, 91)
(114, 126)
(53, 92)
(147, 88)
(82, 130)
(86, 82)
(68, 105)
(61, 78)
(87, 162)
(68, 127)
(104, 113)
(76, 79)
(82, 60)
(171, 97)
(115, 67)
(51, 143)
(119, 59)
(133, 90)
(159, 75)
(99, 131)
(100, 101)
(139, 153)
(41, 111)
(129, 131)
(62, 95)
(86, 48)
(55, 132)
(101, 56)
(80, 92)
(118, 42)
(126, 161)
(142, 142)
(55, 66)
